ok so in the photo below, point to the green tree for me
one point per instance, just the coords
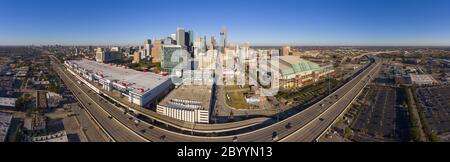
(434, 137)
(20, 103)
(16, 135)
(347, 131)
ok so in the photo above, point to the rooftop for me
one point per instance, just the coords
(187, 95)
(7, 102)
(293, 64)
(135, 80)
(56, 137)
(422, 79)
(5, 122)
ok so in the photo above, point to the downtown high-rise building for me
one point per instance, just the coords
(136, 57)
(190, 38)
(223, 37)
(181, 37)
(147, 47)
(204, 44)
(213, 43)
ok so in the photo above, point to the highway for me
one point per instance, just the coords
(114, 129)
(304, 126)
(90, 129)
(316, 127)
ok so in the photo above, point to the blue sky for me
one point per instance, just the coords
(259, 22)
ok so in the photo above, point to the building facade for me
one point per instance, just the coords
(295, 72)
(136, 57)
(156, 51)
(136, 87)
(181, 40)
(171, 56)
(285, 51)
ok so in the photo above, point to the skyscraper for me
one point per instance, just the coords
(204, 44)
(213, 42)
(191, 38)
(147, 47)
(223, 37)
(181, 37)
(136, 57)
(156, 51)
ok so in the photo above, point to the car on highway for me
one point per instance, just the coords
(274, 136)
(110, 117)
(235, 139)
(288, 126)
(143, 131)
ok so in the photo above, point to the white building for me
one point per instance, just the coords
(56, 137)
(7, 102)
(421, 79)
(139, 88)
(187, 103)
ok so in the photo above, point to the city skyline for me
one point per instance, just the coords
(288, 22)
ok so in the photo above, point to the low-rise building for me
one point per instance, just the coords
(104, 56)
(7, 102)
(421, 79)
(56, 137)
(41, 100)
(5, 123)
(35, 123)
(187, 103)
(53, 99)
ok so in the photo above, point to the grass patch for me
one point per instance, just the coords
(237, 100)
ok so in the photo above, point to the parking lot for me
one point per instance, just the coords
(435, 107)
(380, 115)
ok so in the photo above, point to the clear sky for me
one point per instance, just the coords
(259, 22)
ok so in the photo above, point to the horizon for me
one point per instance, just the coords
(291, 23)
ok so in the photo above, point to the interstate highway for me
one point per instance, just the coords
(114, 129)
(298, 121)
(316, 127)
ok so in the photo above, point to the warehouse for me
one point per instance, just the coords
(140, 88)
(422, 79)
